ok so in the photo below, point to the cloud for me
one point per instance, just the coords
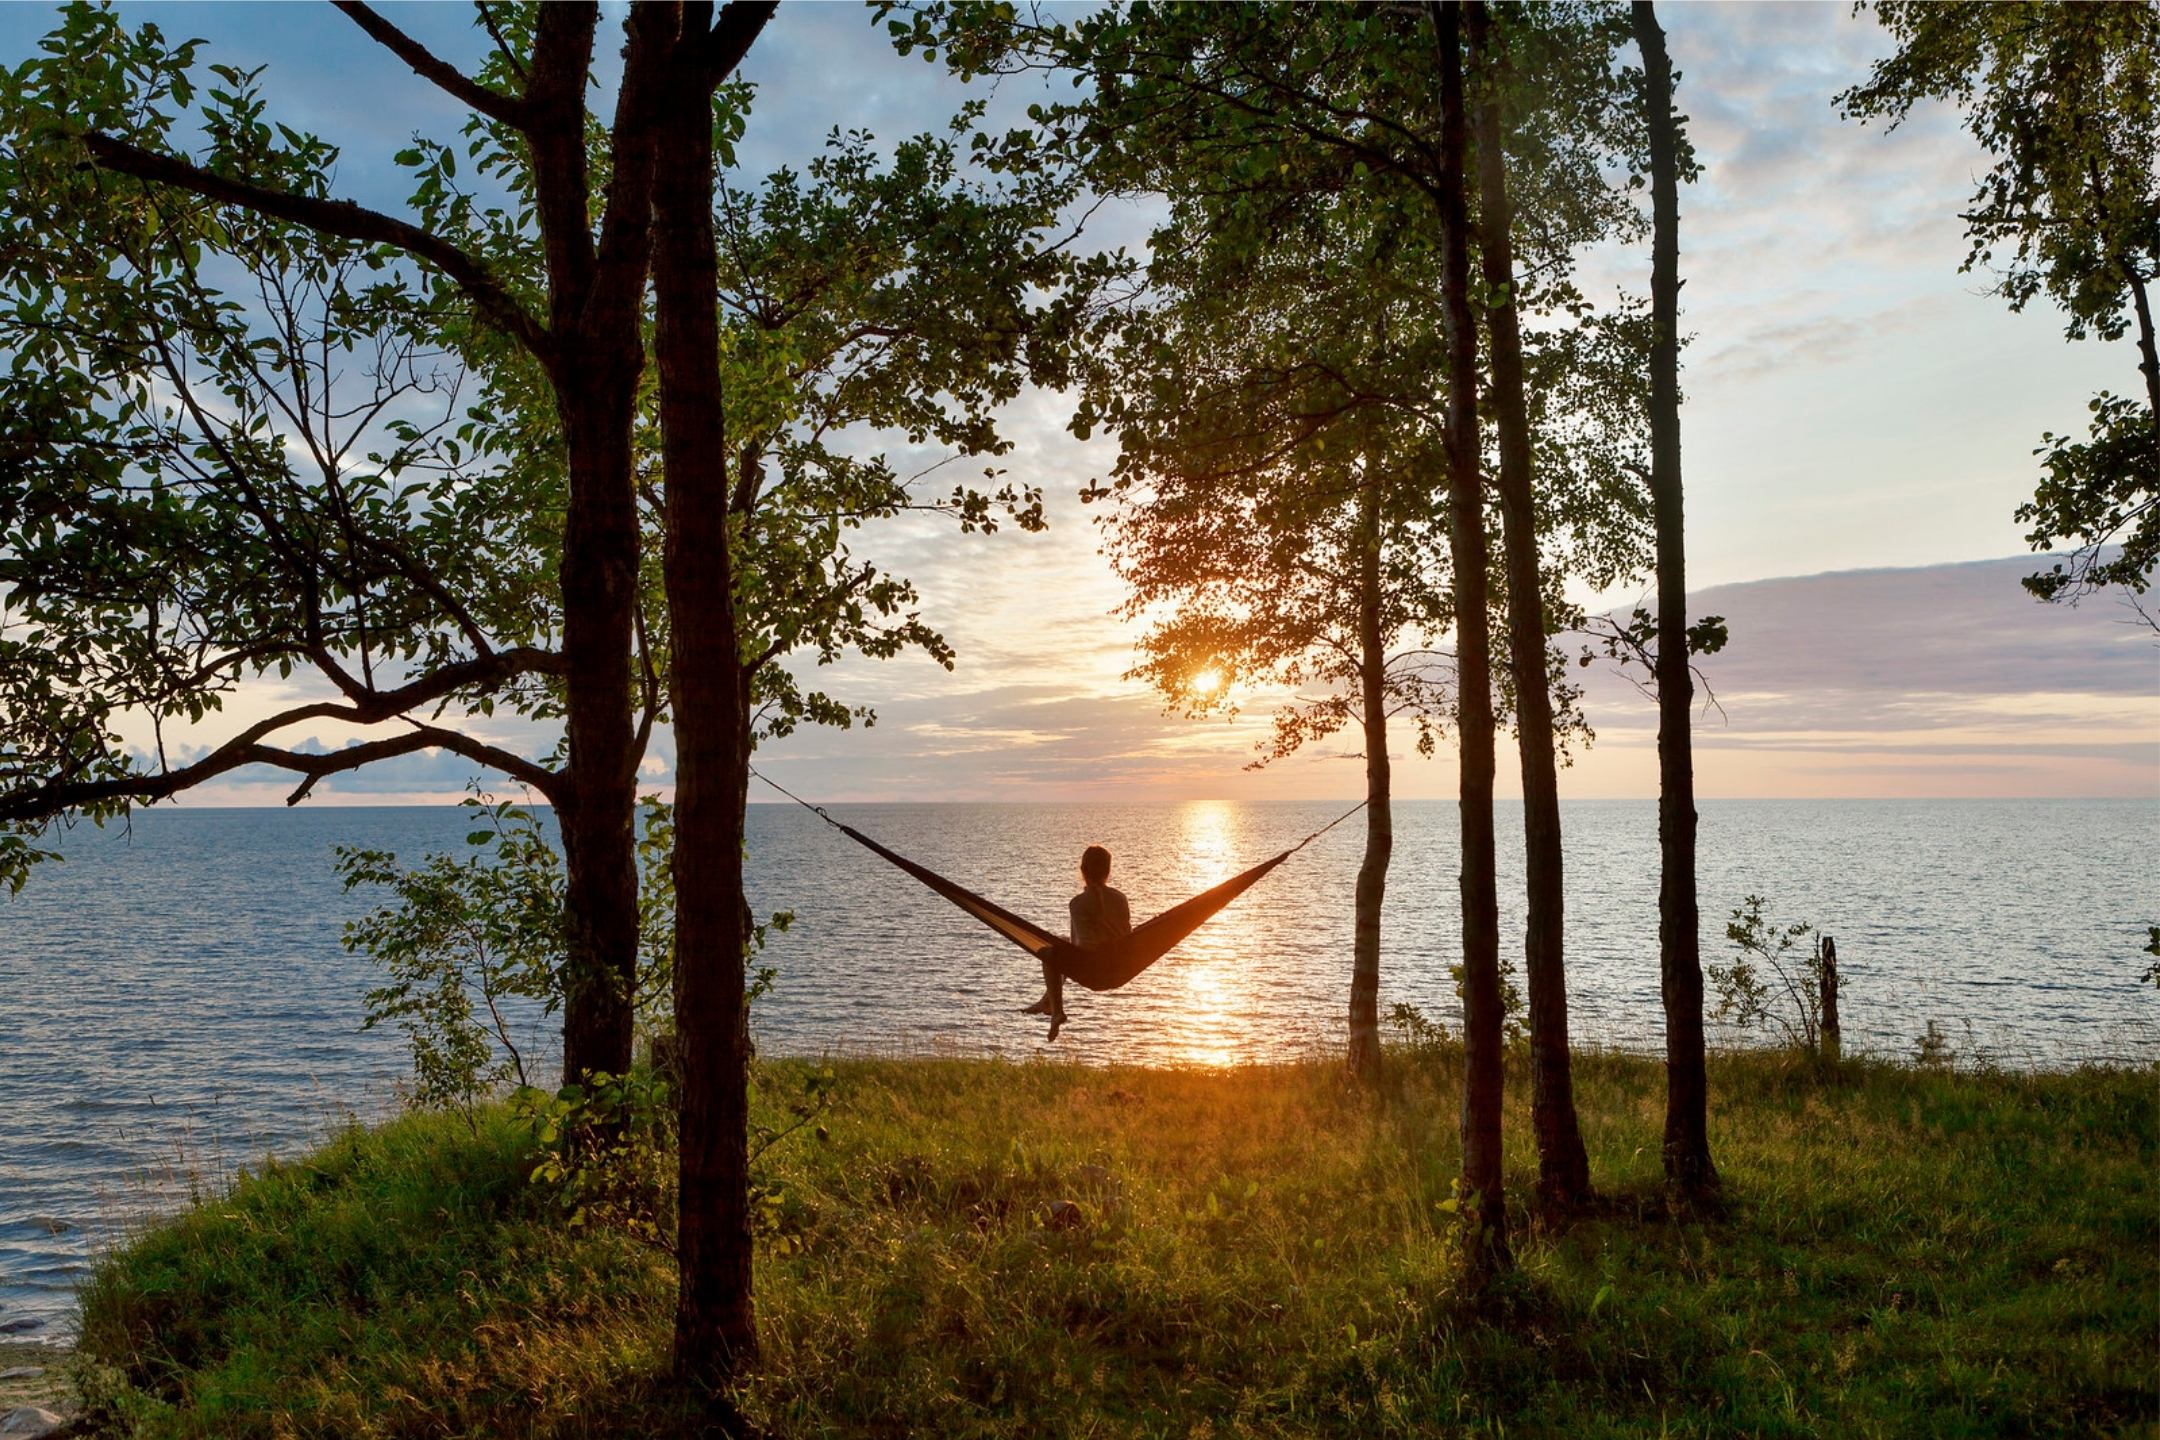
(1854, 401)
(1927, 680)
(1945, 679)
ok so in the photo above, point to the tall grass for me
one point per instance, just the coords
(995, 1249)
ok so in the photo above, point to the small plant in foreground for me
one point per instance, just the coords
(1931, 1048)
(1426, 1039)
(465, 935)
(1776, 980)
(606, 1152)
(1423, 1037)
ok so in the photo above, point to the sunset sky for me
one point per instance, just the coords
(1855, 404)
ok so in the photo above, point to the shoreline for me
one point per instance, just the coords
(47, 1389)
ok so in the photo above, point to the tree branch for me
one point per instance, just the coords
(445, 76)
(39, 802)
(732, 34)
(329, 217)
(517, 767)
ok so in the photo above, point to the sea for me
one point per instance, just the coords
(175, 1002)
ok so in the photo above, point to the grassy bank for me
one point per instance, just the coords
(1256, 1252)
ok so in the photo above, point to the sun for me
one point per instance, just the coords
(1207, 682)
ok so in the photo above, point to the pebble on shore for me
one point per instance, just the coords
(33, 1382)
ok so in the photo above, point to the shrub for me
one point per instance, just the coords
(1777, 979)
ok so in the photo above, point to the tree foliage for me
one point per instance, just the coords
(2066, 100)
(1273, 408)
(1290, 294)
(877, 298)
(231, 448)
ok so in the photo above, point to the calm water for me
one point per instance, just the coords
(174, 1003)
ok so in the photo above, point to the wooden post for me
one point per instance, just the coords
(1827, 951)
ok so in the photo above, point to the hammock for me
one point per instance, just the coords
(1102, 967)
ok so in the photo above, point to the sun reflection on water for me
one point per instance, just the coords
(1206, 842)
(1210, 1033)
(1211, 1025)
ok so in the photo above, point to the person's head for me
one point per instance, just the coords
(1095, 865)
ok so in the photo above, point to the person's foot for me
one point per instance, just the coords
(1057, 1022)
(1040, 1007)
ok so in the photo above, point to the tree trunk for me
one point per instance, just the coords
(1379, 814)
(599, 586)
(1687, 1138)
(2148, 355)
(600, 903)
(599, 601)
(1563, 1166)
(715, 1330)
(1482, 1018)
(593, 306)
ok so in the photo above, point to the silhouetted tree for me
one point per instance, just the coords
(1687, 1139)
(1563, 1164)
(1483, 1017)
(901, 298)
(546, 286)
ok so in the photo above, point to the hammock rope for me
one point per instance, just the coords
(1102, 967)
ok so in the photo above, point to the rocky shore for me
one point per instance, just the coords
(35, 1397)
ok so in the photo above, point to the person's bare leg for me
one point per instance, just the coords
(1053, 997)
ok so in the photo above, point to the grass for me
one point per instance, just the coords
(1258, 1252)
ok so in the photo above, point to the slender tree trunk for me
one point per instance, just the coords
(599, 849)
(1379, 812)
(1482, 1018)
(1563, 1166)
(2149, 356)
(601, 905)
(1687, 1138)
(715, 1329)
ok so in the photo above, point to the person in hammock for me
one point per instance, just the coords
(1099, 916)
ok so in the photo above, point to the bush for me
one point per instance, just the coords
(1776, 981)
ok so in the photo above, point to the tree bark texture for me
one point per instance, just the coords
(1379, 813)
(1687, 1139)
(1482, 1018)
(2148, 353)
(595, 361)
(715, 1326)
(1563, 1165)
